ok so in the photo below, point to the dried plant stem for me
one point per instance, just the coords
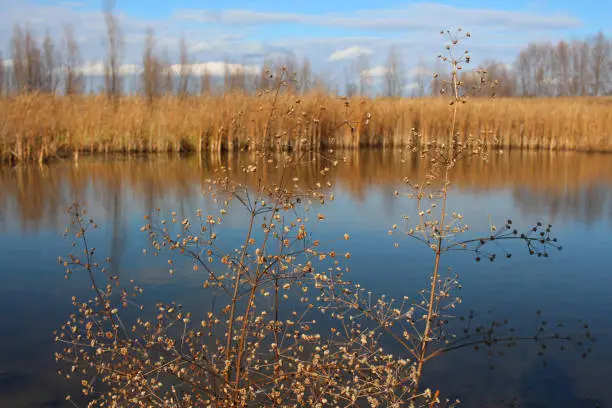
(232, 316)
(433, 296)
(258, 274)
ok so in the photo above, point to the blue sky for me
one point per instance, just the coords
(593, 14)
(331, 33)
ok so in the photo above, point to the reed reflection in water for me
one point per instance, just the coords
(572, 191)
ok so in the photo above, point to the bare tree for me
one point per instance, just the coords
(20, 73)
(167, 74)
(534, 68)
(290, 64)
(319, 83)
(241, 74)
(498, 74)
(579, 68)
(234, 77)
(183, 89)
(228, 79)
(205, 82)
(394, 82)
(545, 76)
(436, 85)
(362, 67)
(601, 54)
(2, 73)
(152, 69)
(27, 61)
(524, 68)
(34, 62)
(266, 76)
(562, 65)
(113, 80)
(350, 83)
(421, 73)
(7, 68)
(73, 80)
(50, 64)
(305, 77)
(580, 73)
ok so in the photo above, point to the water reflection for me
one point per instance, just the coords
(574, 191)
(565, 185)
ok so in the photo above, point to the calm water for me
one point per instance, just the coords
(571, 191)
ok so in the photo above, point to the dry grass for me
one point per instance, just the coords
(36, 127)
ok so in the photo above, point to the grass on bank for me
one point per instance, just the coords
(41, 126)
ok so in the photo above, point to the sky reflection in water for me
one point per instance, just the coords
(571, 191)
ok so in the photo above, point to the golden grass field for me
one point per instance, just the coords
(41, 126)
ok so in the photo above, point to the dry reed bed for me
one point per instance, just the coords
(568, 184)
(37, 126)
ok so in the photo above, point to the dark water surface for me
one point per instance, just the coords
(571, 191)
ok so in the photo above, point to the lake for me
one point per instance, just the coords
(572, 191)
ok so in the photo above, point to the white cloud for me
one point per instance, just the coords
(381, 71)
(214, 68)
(232, 44)
(349, 53)
(97, 68)
(91, 68)
(375, 72)
(238, 17)
(130, 69)
(217, 68)
(415, 16)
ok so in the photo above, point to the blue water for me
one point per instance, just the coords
(572, 192)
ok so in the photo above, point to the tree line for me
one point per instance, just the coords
(576, 68)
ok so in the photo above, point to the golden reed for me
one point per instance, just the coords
(41, 126)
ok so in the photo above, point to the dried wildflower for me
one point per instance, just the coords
(250, 350)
